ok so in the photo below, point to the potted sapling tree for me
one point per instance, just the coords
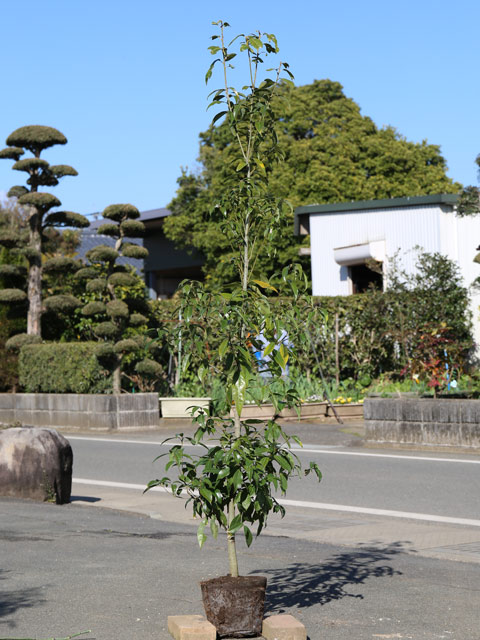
(231, 484)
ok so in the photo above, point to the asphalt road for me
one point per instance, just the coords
(69, 568)
(435, 484)
(338, 561)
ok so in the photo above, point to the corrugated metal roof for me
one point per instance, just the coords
(361, 205)
(91, 239)
(96, 219)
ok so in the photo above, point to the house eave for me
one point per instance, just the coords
(301, 215)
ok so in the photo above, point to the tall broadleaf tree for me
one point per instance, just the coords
(469, 202)
(330, 153)
(40, 220)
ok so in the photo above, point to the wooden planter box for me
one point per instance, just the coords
(180, 407)
(351, 410)
(445, 422)
(267, 411)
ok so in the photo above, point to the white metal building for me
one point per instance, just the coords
(344, 236)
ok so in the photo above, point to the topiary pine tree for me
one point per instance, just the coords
(115, 308)
(40, 220)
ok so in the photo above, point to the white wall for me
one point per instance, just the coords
(467, 241)
(401, 228)
(434, 228)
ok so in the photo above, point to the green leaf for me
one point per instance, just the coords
(284, 462)
(208, 75)
(214, 528)
(235, 524)
(206, 493)
(223, 347)
(248, 535)
(268, 349)
(247, 502)
(265, 285)
(260, 166)
(223, 473)
(279, 359)
(218, 115)
(201, 537)
(237, 479)
(284, 353)
(240, 388)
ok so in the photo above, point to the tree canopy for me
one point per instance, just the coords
(116, 296)
(331, 153)
(38, 234)
(469, 203)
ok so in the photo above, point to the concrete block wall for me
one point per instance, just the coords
(450, 422)
(89, 412)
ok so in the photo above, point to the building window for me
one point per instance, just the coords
(364, 277)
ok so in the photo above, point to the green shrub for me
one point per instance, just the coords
(62, 368)
(131, 250)
(363, 336)
(13, 296)
(122, 279)
(93, 308)
(16, 342)
(105, 330)
(97, 285)
(117, 309)
(62, 303)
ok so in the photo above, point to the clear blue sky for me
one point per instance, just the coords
(124, 80)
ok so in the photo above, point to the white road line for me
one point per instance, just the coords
(308, 505)
(122, 441)
(384, 455)
(381, 512)
(305, 449)
(117, 485)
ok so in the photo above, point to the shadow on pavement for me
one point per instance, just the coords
(12, 601)
(84, 499)
(158, 535)
(303, 585)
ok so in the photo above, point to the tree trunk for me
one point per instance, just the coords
(117, 379)
(34, 291)
(232, 550)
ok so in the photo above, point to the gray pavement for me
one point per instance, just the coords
(439, 540)
(119, 563)
(70, 568)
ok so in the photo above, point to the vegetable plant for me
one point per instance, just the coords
(231, 484)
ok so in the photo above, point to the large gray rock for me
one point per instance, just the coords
(36, 464)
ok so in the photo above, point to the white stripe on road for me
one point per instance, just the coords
(306, 449)
(117, 485)
(308, 505)
(384, 455)
(381, 512)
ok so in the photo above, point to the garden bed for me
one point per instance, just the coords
(308, 411)
(352, 410)
(444, 422)
(181, 407)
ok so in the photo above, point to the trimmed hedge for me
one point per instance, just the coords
(375, 332)
(62, 368)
